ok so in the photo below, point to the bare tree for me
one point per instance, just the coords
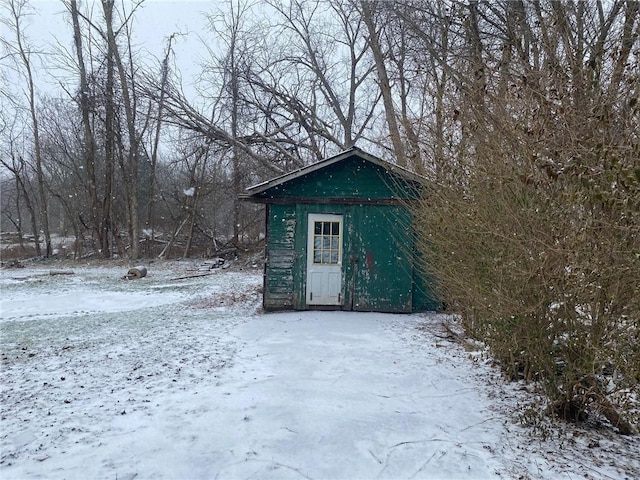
(62, 144)
(111, 115)
(324, 52)
(23, 55)
(152, 151)
(129, 105)
(421, 46)
(233, 63)
(16, 165)
(98, 224)
(369, 18)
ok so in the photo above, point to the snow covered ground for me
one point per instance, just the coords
(103, 378)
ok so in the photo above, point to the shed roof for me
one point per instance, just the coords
(255, 192)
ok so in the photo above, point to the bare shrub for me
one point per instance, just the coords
(535, 237)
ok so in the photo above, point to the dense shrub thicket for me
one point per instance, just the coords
(533, 232)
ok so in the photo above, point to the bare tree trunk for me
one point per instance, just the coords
(128, 99)
(196, 178)
(32, 213)
(237, 184)
(18, 222)
(156, 140)
(169, 245)
(368, 16)
(234, 86)
(629, 39)
(109, 150)
(89, 137)
(476, 64)
(193, 211)
(413, 150)
(25, 57)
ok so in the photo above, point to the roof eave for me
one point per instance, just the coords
(274, 182)
(255, 190)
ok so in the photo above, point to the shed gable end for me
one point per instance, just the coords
(352, 177)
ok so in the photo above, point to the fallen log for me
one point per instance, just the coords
(61, 272)
(136, 272)
(193, 276)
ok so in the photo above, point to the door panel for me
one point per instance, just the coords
(324, 259)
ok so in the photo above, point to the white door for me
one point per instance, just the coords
(324, 259)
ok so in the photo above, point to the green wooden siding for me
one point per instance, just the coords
(351, 178)
(280, 257)
(379, 258)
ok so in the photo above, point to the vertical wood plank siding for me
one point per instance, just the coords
(280, 257)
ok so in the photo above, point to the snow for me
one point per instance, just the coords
(183, 379)
(189, 192)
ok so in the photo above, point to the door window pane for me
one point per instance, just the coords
(326, 242)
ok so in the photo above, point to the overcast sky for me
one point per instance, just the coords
(155, 21)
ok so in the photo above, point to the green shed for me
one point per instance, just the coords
(339, 235)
